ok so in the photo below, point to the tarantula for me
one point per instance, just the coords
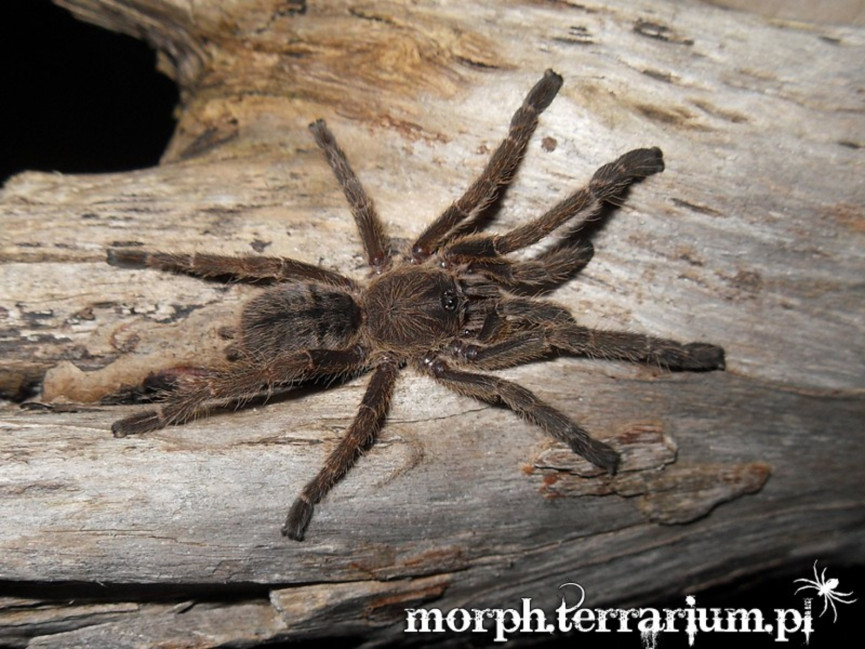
(454, 305)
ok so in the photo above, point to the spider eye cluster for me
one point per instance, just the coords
(449, 300)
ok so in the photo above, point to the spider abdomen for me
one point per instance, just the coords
(299, 316)
(451, 308)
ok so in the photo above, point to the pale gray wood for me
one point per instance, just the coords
(752, 239)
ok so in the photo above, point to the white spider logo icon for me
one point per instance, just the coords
(826, 589)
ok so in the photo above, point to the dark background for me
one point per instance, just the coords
(80, 99)
(77, 98)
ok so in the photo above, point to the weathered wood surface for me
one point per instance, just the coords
(752, 239)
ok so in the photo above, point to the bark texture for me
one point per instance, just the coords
(752, 239)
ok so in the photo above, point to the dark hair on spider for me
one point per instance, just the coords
(453, 308)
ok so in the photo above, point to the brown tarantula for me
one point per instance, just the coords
(456, 303)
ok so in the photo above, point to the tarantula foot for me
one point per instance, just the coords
(298, 519)
(612, 178)
(604, 456)
(645, 162)
(702, 357)
(600, 454)
(126, 258)
(138, 423)
(640, 163)
(545, 90)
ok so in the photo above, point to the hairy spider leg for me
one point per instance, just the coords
(499, 169)
(545, 270)
(527, 405)
(552, 327)
(249, 269)
(550, 267)
(501, 330)
(376, 243)
(607, 185)
(197, 392)
(359, 436)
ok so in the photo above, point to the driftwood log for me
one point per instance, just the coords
(751, 239)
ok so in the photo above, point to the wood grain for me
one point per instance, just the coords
(752, 239)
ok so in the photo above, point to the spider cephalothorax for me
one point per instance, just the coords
(452, 307)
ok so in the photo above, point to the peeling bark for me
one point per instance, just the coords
(751, 239)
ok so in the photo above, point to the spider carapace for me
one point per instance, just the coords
(454, 306)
